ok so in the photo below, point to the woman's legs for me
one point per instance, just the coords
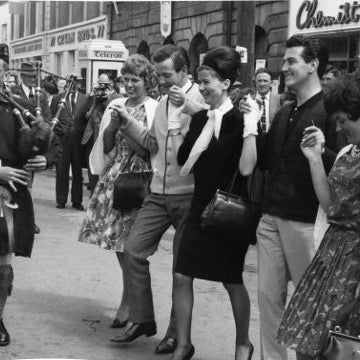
(240, 304)
(123, 311)
(183, 305)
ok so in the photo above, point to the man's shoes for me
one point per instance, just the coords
(60, 205)
(136, 330)
(166, 346)
(118, 324)
(36, 229)
(78, 206)
(4, 335)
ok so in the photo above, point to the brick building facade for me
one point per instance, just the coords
(200, 25)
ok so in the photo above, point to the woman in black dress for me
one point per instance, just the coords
(218, 143)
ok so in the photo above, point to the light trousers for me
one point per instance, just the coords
(285, 250)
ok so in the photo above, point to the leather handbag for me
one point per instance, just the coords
(131, 187)
(232, 213)
(341, 346)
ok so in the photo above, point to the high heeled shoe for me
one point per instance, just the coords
(251, 351)
(189, 354)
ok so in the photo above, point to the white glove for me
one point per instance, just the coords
(174, 119)
(252, 118)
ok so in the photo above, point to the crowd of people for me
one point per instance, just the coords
(299, 151)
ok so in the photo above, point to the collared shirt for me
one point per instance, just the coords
(297, 111)
(267, 106)
(26, 90)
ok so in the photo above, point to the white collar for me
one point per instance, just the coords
(187, 86)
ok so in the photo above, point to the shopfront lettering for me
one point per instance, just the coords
(67, 38)
(308, 15)
(109, 54)
(78, 36)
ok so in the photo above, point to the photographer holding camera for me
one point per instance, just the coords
(88, 122)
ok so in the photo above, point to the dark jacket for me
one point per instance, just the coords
(289, 192)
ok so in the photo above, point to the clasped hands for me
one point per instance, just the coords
(119, 115)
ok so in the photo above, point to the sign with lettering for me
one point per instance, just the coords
(314, 16)
(165, 17)
(77, 36)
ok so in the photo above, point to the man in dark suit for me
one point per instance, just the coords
(71, 150)
(25, 95)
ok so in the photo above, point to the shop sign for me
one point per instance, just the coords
(78, 36)
(165, 18)
(26, 48)
(310, 16)
(108, 54)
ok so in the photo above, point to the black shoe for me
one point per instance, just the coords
(60, 205)
(166, 346)
(136, 330)
(36, 229)
(117, 324)
(4, 335)
(77, 206)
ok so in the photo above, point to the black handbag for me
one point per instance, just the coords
(233, 213)
(341, 346)
(131, 187)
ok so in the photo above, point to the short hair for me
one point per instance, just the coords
(345, 96)
(263, 71)
(332, 70)
(224, 61)
(139, 65)
(314, 48)
(177, 54)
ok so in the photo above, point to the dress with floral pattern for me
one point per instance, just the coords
(328, 293)
(103, 225)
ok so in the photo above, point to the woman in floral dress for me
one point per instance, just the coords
(329, 293)
(104, 226)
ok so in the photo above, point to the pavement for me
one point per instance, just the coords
(67, 294)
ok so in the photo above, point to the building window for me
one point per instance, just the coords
(64, 13)
(343, 52)
(21, 25)
(198, 46)
(53, 7)
(32, 17)
(4, 38)
(92, 9)
(77, 13)
(144, 49)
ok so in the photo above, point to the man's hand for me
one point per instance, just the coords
(11, 175)
(244, 106)
(37, 163)
(176, 96)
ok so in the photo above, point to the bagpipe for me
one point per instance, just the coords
(35, 133)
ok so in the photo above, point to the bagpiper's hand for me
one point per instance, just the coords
(37, 163)
(12, 175)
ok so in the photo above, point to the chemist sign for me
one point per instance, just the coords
(314, 16)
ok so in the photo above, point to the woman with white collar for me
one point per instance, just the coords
(218, 143)
(113, 150)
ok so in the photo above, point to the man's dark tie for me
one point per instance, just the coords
(72, 102)
(32, 95)
(263, 116)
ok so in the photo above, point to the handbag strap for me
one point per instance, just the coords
(232, 183)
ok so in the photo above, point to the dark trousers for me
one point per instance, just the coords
(70, 156)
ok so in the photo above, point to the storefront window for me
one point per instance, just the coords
(343, 52)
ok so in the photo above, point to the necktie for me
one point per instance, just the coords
(263, 116)
(32, 95)
(72, 102)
